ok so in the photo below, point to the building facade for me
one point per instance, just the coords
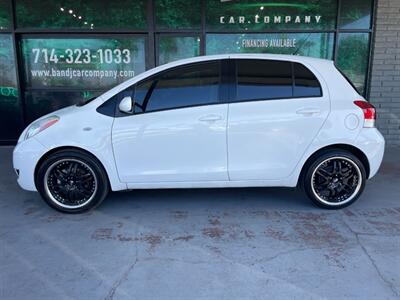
(54, 53)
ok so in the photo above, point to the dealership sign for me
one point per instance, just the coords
(276, 15)
(269, 19)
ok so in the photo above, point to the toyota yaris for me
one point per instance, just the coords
(216, 121)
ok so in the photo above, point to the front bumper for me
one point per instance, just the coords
(26, 155)
(372, 143)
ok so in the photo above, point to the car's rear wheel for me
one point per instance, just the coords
(335, 179)
(72, 181)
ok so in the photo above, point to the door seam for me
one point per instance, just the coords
(227, 142)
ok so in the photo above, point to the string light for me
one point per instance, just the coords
(70, 11)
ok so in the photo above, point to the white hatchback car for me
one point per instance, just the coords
(237, 120)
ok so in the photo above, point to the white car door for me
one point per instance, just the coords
(178, 130)
(273, 118)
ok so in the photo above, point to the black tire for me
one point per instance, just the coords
(72, 181)
(334, 179)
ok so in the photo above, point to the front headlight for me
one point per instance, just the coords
(40, 125)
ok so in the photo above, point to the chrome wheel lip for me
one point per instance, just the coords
(50, 195)
(354, 194)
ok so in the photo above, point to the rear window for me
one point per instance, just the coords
(263, 79)
(273, 79)
(305, 82)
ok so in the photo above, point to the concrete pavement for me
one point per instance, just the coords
(254, 243)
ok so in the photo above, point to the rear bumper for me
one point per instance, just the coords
(372, 143)
(25, 158)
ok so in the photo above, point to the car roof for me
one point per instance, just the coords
(204, 58)
(294, 58)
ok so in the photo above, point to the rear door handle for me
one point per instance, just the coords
(308, 111)
(210, 118)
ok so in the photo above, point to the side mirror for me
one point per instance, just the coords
(126, 105)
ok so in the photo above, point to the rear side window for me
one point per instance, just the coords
(181, 87)
(263, 79)
(305, 82)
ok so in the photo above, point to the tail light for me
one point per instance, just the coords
(369, 112)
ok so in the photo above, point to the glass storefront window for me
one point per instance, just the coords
(355, 14)
(353, 57)
(172, 48)
(84, 14)
(178, 14)
(307, 44)
(10, 118)
(40, 102)
(5, 14)
(86, 62)
(278, 14)
(63, 60)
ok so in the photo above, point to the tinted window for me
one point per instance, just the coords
(263, 79)
(186, 86)
(177, 14)
(5, 14)
(82, 63)
(306, 84)
(353, 51)
(141, 91)
(10, 106)
(82, 14)
(253, 15)
(171, 48)
(315, 44)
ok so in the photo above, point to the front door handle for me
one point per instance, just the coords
(210, 118)
(308, 111)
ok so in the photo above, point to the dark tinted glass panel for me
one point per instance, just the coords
(84, 14)
(305, 83)
(277, 14)
(193, 85)
(263, 79)
(87, 62)
(39, 103)
(10, 117)
(318, 45)
(172, 48)
(5, 14)
(352, 59)
(355, 14)
(138, 93)
(178, 14)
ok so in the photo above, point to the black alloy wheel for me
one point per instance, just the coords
(72, 181)
(335, 179)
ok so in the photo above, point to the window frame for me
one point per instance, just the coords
(234, 82)
(221, 91)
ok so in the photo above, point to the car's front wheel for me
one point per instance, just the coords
(72, 181)
(334, 179)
